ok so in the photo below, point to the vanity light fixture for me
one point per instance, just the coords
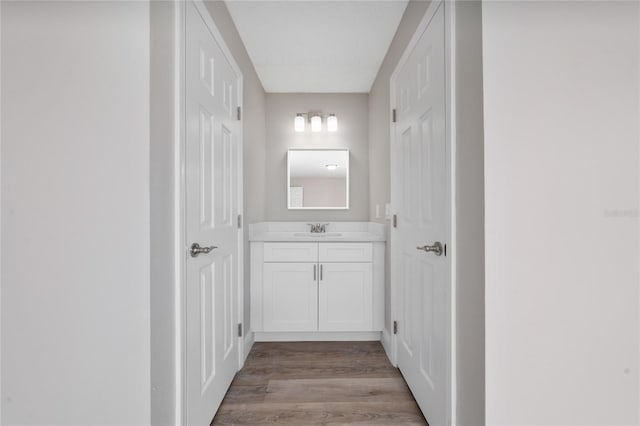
(332, 123)
(331, 166)
(298, 123)
(315, 118)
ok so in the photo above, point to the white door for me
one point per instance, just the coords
(345, 297)
(290, 297)
(419, 188)
(212, 164)
(296, 196)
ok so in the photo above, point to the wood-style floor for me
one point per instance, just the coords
(318, 383)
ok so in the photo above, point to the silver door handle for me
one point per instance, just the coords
(314, 272)
(195, 249)
(320, 272)
(436, 248)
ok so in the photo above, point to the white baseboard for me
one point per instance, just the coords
(316, 336)
(387, 344)
(248, 344)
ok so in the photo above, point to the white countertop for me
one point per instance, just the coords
(335, 232)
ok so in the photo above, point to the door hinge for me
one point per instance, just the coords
(395, 220)
(239, 329)
(239, 221)
(395, 327)
(394, 117)
(239, 113)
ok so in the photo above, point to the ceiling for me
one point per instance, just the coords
(317, 46)
(312, 163)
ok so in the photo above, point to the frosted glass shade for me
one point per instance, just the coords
(316, 123)
(298, 123)
(332, 123)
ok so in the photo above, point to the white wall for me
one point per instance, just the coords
(165, 179)
(561, 105)
(353, 132)
(75, 213)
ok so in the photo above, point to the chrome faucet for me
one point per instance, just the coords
(318, 227)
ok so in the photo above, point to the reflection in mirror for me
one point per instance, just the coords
(318, 179)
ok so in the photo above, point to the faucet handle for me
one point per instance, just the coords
(314, 228)
(323, 227)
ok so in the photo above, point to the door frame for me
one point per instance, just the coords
(1, 396)
(450, 137)
(181, 245)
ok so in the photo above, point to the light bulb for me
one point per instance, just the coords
(316, 123)
(332, 123)
(298, 123)
(331, 166)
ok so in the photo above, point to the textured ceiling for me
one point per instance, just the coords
(317, 46)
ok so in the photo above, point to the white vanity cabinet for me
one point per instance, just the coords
(316, 288)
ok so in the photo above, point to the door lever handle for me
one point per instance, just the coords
(436, 248)
(195, 249)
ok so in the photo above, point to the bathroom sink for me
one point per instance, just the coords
(317, 234)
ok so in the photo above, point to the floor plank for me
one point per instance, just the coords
(318, 383)
(337, 390)
(336, 413)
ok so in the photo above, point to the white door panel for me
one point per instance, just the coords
(345, 297)
(212, 164)
(420, 199)
(290, 297)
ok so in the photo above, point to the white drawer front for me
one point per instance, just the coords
(345, 252)
(291, 252)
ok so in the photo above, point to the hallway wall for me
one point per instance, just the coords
(562, 101)
(75, 213)
(468, 248)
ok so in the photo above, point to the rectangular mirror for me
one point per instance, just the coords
(318, 179)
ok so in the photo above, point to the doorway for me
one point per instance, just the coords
(213, 204)
(421, 231)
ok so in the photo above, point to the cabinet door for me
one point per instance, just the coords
(345, 293)
(290, 297)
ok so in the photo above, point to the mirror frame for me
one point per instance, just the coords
(346, 207)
